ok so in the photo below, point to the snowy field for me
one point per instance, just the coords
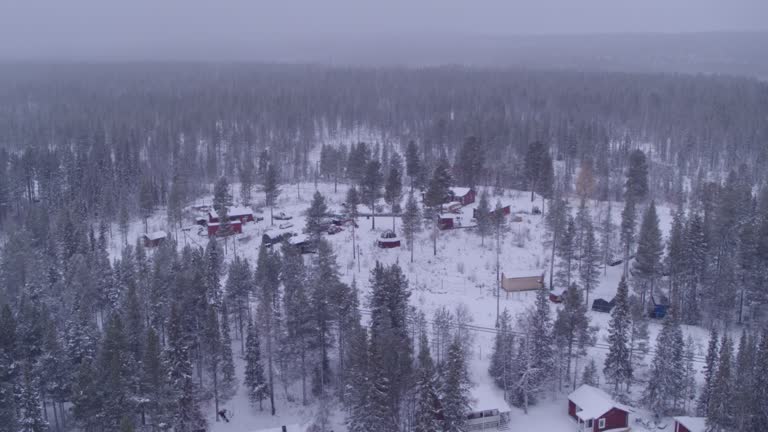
(463, 272)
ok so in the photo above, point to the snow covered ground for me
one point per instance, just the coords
(462, 272)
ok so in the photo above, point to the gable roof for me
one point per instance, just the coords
(693, 424)
(593, 402)
(460, 191)
(157, 235)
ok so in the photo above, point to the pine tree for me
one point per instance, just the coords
(222, 201)
(214, 262)
(647, 267)
(228, 378)
(211, 343)
(483, 217)
(665, 389)
(556, 223)
(571, 327)
(438, 189)
(607, 237)
(589, 269)
(411, 221)
(427, 402)
(247, 173)
(565, 252)
(186, 415)
(744, 375)
(695, 267)
(689, 372)
(316, 215)
(151, 383)
(537, 166)
(675, 259)
(637, 177)
(540, 343)
(618, 364)
(8, 368)
(254, 370)
(370, 187)
(627, 232)
(115, 374)
(414, 166)
(760, 387)
(267, 280)
(271, 187)
(469, 162)
(455, 392)
(31, 418)
(393, 189)
(503, 351)
(710, 369)
(589, 376)
(721, 408)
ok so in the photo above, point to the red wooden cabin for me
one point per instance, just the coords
(594, 410)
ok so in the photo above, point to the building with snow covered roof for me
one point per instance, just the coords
(690, 424)
(464, 195)
(154, 239)
(594, 410)
(522, 280)
(237, 213)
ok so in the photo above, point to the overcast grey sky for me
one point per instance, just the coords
(99, 28)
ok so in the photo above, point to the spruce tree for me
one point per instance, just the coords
(589, 376)
(8, 370)
(627, 234)
(438, 189)
(710, 369)
(228, 378)
(254, 370)
(571, 327)
(393, 188)
(413, 166)
(483, 217)
(31, 416)
(760, 387)
(455, 391)
(316, 215)
(618, 364)
(589, 268)
(503, 346)
(186, 415)
(665, 389)
(370, 187)
(271, 187)
(566, 252)
(743, 377)
(637, 177)
(647, 267)
(721, 402)
(428, 411)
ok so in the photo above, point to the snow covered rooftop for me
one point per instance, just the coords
(460, 191)
(157, 235)
(592, 402)
(513, 274)
(236, 211)
(693, 424)
(301, 238)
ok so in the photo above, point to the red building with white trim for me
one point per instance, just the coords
(594, 410)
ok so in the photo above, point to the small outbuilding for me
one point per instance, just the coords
(272, 237)
(602, 305)
(240, 214)
(594, 410)
(154, 239)
(235, 227)
(690, 424)
(483, 420)
(464, 195)
(303, 243)
(388, 240)
(525, 280)
(446, 221)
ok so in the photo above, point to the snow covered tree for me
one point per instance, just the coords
(607, 237)
(411, 221)
(455, 391)
(370, 187)
(589, 267)
(8, 370)
(695, 268)
(618, 364)
(428, 411)
(743, 376)
(637, 177)
(760, 386)
(393, 189)
(536, 164)
(566, 252)
(267, 280)
(571, 327)
(414, 166)
(689, 372)
(185, 410)
(666, 386)
(503, 353)
(222, 200)
(31, 416)
(627, 233)
(247, 175)
(254, 370)
(589, 376)
(483, 217)
(316, 215)
(721, 398)
(228, 378)
(647, 268)
(438, 188)
(271, 187)
(556, 223)
(710, 369)
(674, 262)
(469, 162)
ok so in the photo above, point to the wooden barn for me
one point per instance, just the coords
(690, 424)
(388, 240)
(464, 195)
(235, 227)
(523, 281)
(154, 239)
(594, 410)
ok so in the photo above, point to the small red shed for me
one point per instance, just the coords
(690, 424)
(235, 227)
(464, 195)
(594, 410)
(504, 210)
(446, 221)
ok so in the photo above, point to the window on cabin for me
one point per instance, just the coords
(601, 424)
(589, 423)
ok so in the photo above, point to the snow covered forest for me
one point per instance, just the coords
(648, 192)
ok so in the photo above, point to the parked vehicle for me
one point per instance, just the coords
(283, 216)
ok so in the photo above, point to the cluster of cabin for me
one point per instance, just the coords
(459, 197)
